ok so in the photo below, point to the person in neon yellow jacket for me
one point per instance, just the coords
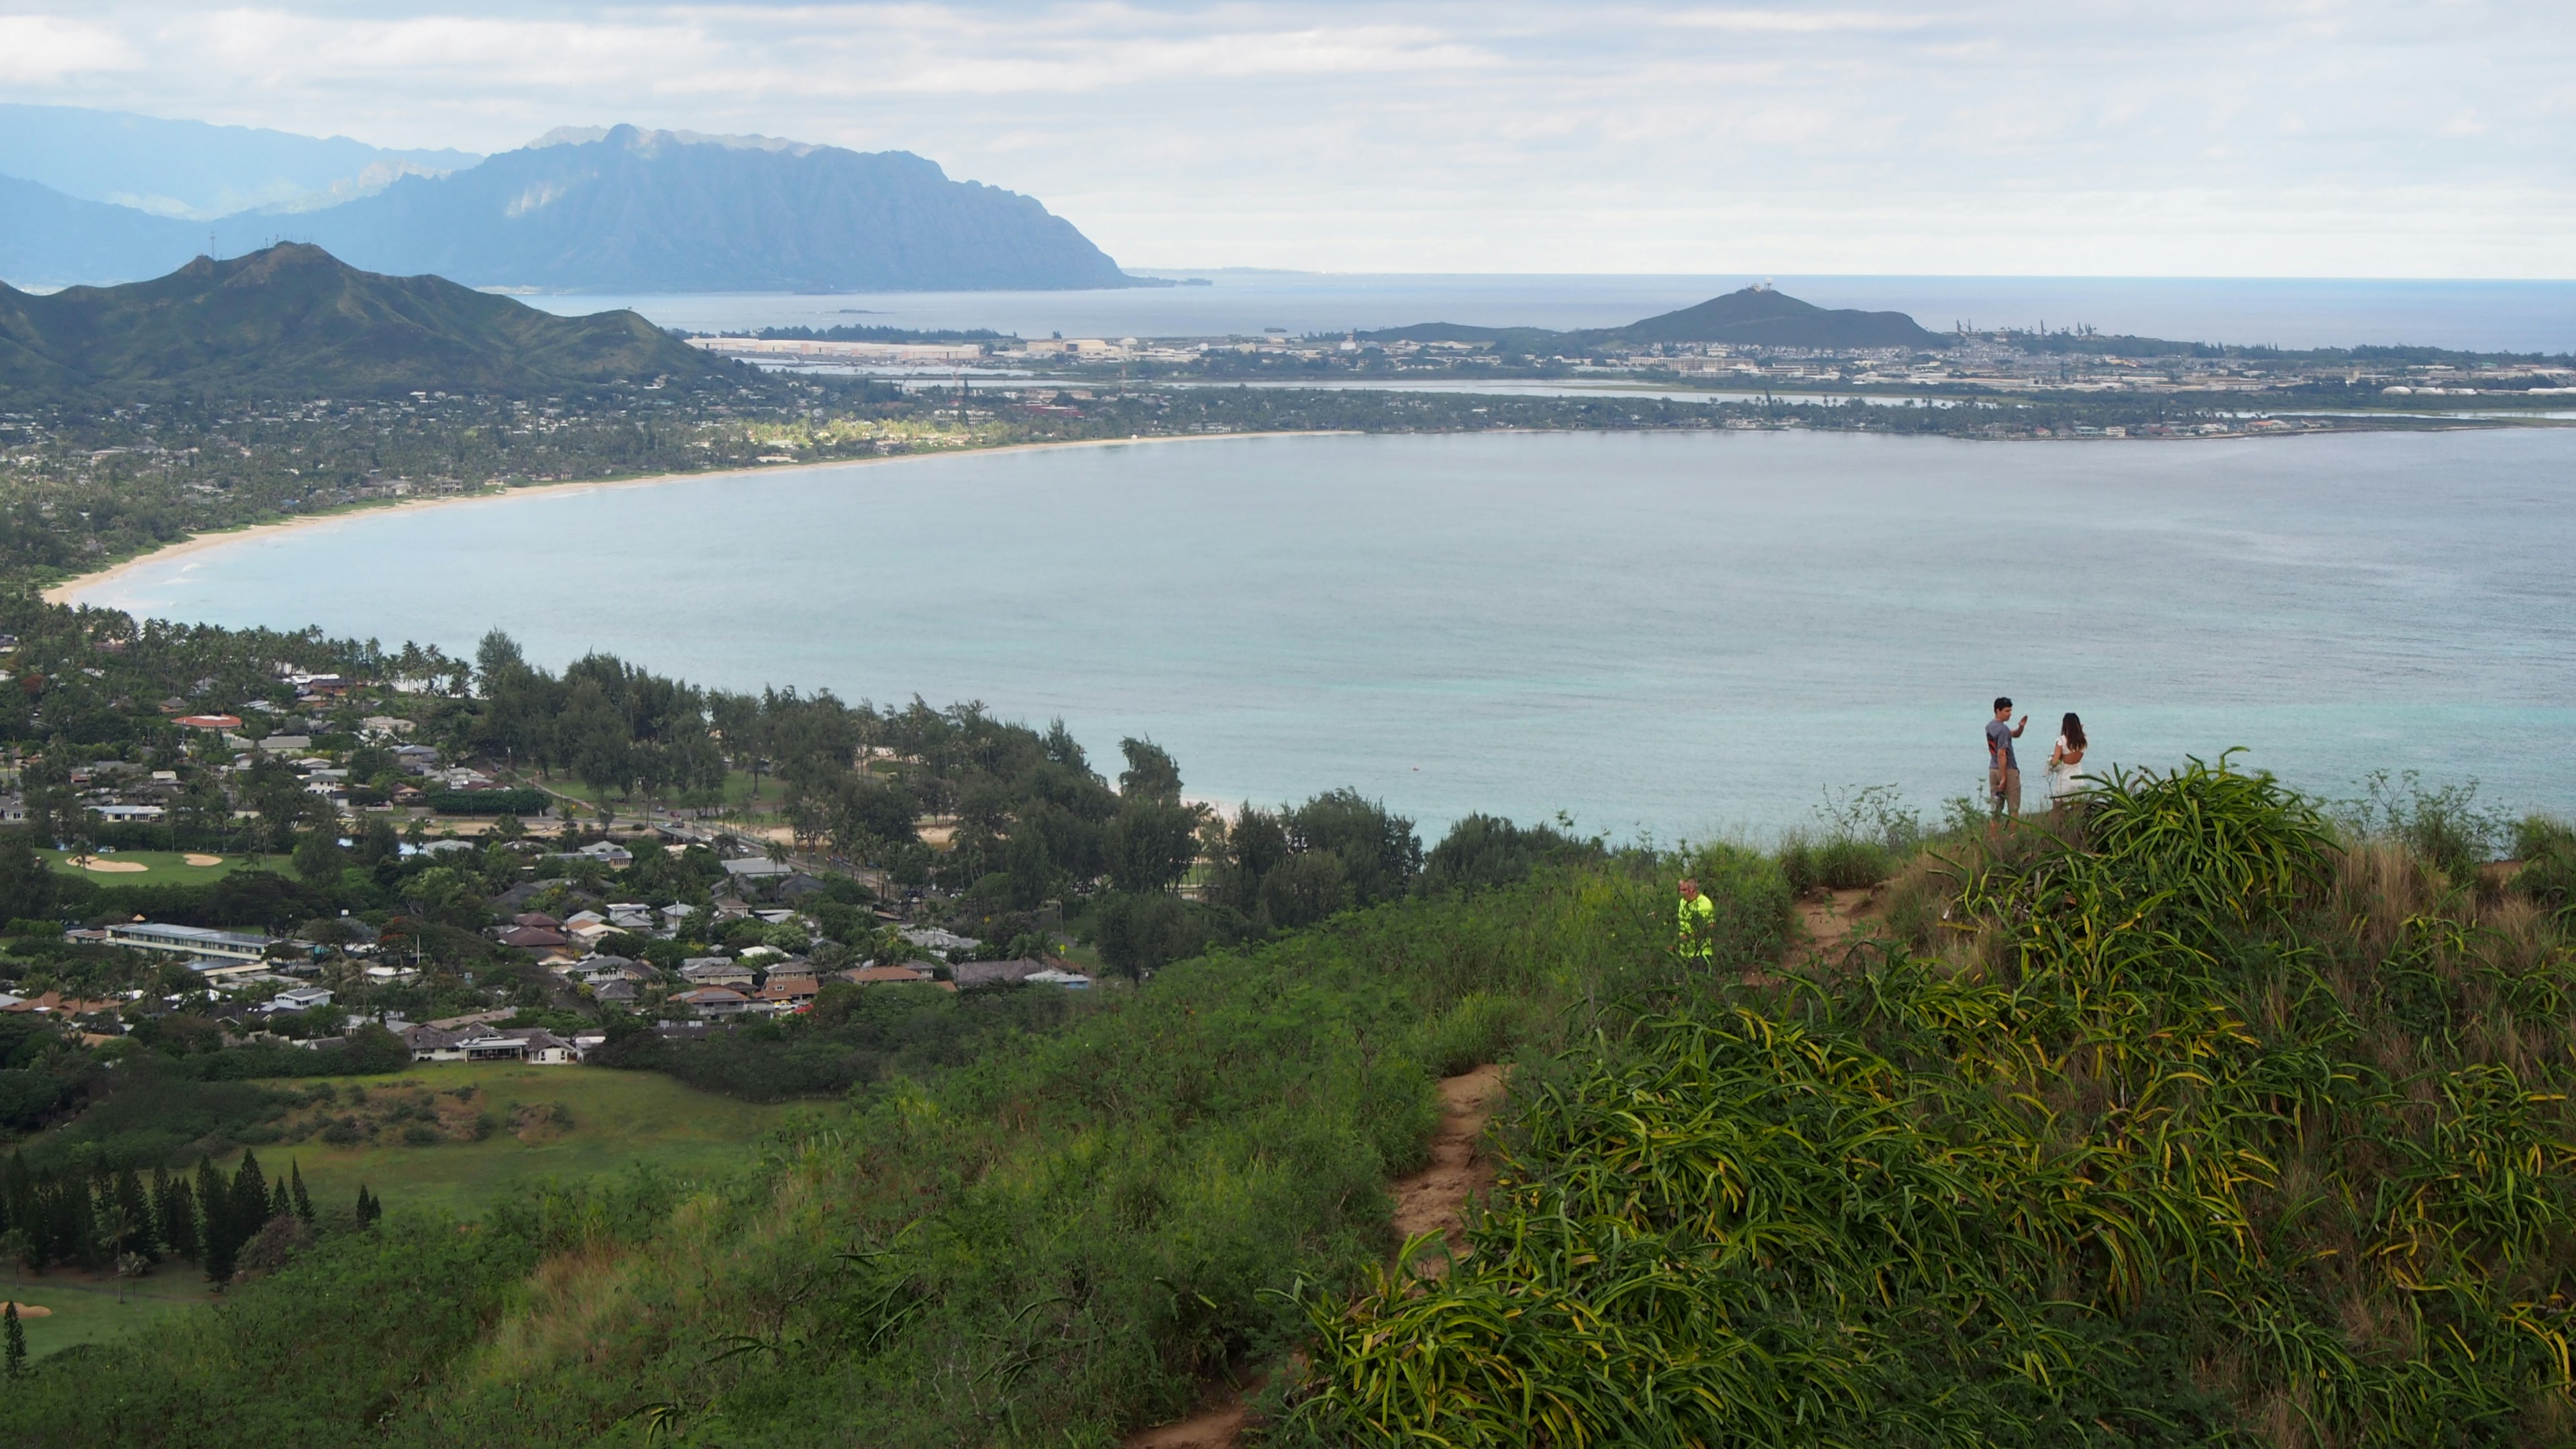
(1695, 924)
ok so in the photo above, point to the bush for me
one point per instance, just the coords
(1750, 898)
(369, 1051)
(2547, 850)
(1479, 1028)
(1838, 863)
(2445, 827)
(1141, 934)
(2537, 835)
(1484, 851)
(1861, 838)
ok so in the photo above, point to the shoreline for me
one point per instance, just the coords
(68, 590)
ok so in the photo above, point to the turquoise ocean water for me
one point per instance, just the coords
(1672, 633)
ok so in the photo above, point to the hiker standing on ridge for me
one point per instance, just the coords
(2003, 772)
(1695, 922)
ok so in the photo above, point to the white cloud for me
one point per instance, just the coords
(2251, 136)
(43, 49)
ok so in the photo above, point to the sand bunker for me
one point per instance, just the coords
(203, 859)
(109, 867)
(31, 1310)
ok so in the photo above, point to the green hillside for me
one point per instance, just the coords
(2190, 1121)
(1761, 317)
(292, 320)
(1747, 317)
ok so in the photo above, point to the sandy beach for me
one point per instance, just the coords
(70, 590)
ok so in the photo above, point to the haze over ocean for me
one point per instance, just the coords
(2518, 316)
(1680, 633)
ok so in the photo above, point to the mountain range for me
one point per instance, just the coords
(1753, 316)
(197, 171)
(619, 210)
(292, 320)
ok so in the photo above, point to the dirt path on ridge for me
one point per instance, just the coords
(1432, 1200)
(1830, 917)
(1435, 1199)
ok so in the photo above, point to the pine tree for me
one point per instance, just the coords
(303, 1204)
(369, 1208)
(249, 1197)
(16, 1352)
(278, 1203)
(177, 1215)
(17, 1195)
(219, 1245)
(142, 1232)
(78, 1214)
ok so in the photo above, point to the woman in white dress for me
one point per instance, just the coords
(2063, 760)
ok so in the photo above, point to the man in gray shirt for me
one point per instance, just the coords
(2003, 771)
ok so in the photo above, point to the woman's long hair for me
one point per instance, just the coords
(2073, 729)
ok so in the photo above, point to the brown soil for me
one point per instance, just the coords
(1433, 1200)
(1830, 917)
(1218, 1426)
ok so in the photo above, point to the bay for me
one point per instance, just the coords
(1670, 633)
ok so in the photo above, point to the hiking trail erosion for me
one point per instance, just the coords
(1431, 1200)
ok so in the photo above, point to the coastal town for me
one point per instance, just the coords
(519, 922)
(1965, 365)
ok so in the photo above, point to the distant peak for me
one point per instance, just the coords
(636, 138)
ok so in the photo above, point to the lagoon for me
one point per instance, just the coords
(1667, 633)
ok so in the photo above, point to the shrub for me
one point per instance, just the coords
(2444, 826)
(1484, 851)
(1477, 1029)
(1837, 863)
(1751, 900)
(2547, 850)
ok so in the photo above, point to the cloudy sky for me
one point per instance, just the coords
(2244, 138)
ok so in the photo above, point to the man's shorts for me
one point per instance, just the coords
(2006, 787)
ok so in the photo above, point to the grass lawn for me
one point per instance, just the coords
(160, 867)
(84, 1305)
(618, 1119)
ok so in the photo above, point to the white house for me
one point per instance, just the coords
(300, 998)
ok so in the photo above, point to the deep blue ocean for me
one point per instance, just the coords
(2517, 316)
(1670, 633)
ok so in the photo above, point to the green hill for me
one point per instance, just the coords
(1760, 317)
(1753, 316)
(2187, 1121)
(292, 320)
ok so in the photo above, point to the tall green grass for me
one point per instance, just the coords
(1054, 1244)
(1859, 838)
(2192, 1129)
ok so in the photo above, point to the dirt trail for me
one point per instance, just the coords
(1435, 1199)
(1432, 1200)
(1831, 916)
(1218, 1426)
